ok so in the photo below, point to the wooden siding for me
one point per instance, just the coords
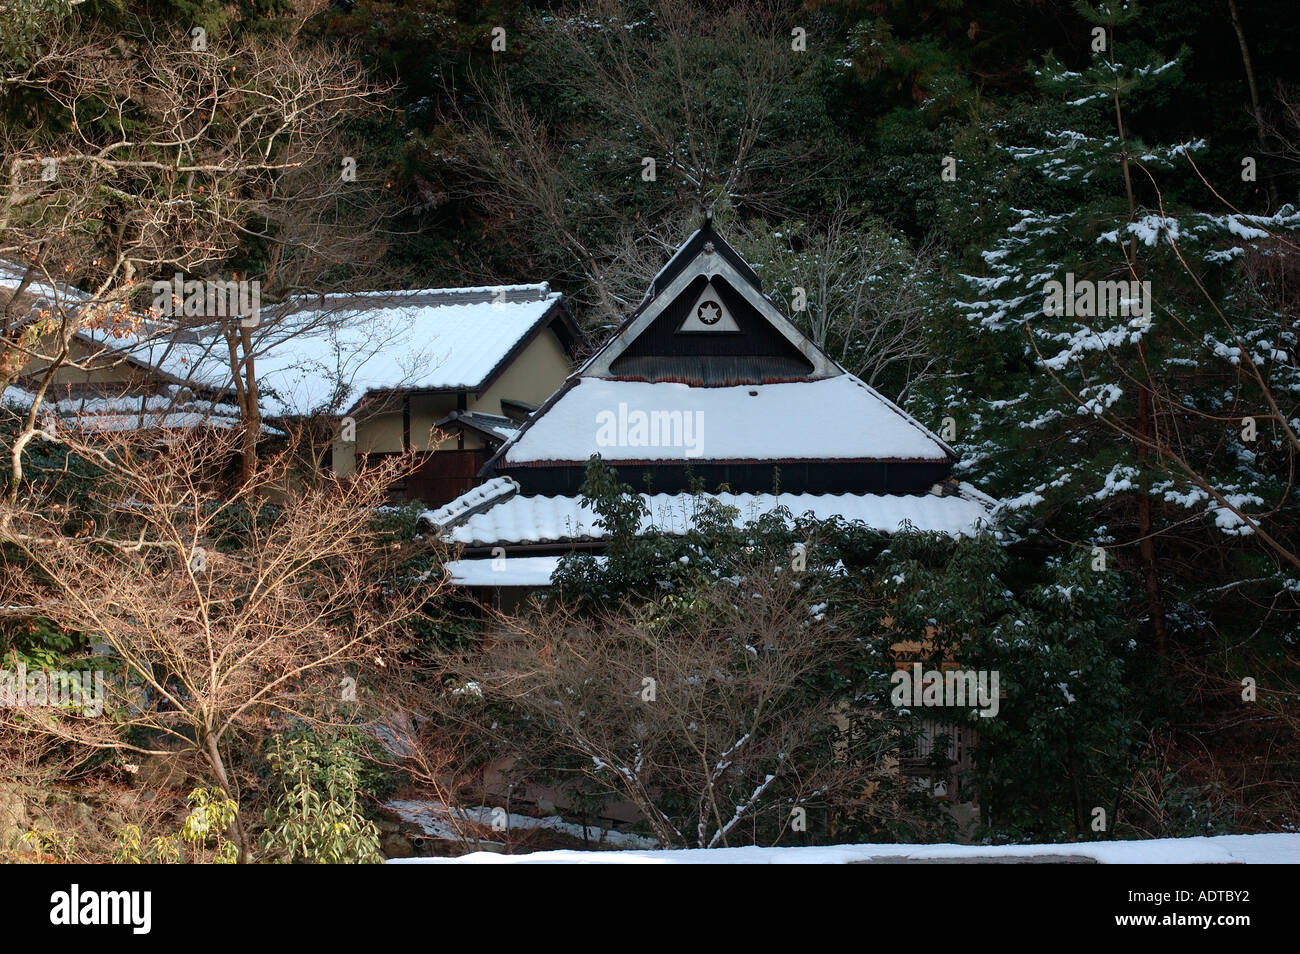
(756, 354)
(439, 478)
(810, 477)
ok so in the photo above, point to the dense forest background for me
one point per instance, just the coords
(860, 120)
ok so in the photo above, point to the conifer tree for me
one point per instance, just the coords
(1122, 384)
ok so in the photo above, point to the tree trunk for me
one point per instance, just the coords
(1257, 111)
(236, 829)
(252, 412)
(1146, 543)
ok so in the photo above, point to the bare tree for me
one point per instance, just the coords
(857, 287)
(218, 615)
(176, 154)
(695, 90)
(702, 713)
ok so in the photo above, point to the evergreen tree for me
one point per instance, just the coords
(1117, 386)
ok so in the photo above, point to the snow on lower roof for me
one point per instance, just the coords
(154, 421)
(434, 339)
(509, 571)
(1217, 849)
(174, 398)
(838, 418)
(498, 488)
(537, 519)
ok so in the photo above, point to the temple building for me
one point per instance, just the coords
(706, 383)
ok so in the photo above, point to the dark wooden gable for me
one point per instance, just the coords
(754, 353)
(750, 343)
(706, 322)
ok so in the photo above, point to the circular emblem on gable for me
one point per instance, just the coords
(709, 313)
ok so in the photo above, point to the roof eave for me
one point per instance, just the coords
(725, 461)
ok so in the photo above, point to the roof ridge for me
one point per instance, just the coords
(482, 497)
(469, 294)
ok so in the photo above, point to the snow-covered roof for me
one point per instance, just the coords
(328, 352)
(12, 275)
(838, 418)
(472, 501)
(173, 409)
(494, 517)
(325, 352)
(492, 426)
(510, 571)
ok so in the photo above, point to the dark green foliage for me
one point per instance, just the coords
(1068, 735)
(1065, 736)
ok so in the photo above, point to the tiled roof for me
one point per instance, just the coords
(433, 339)
(487, 516)
(173, 409)
(490, 425)
(472, 501)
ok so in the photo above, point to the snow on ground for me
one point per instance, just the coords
(1220, 849)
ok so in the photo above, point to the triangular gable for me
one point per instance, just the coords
(707, 268)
